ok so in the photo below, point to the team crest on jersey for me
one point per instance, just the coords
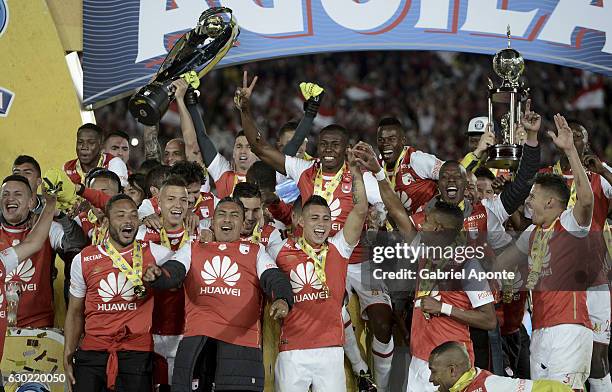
(346, 187)
(205, 212)
(222, 247)
(220, 276)
(407, 178)
(244, 248)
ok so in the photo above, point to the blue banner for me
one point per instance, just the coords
(126, 40)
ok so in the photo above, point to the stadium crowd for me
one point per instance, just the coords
(178, 251)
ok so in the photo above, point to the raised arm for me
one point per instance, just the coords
(367, 159)
(313, 94)
(192, 150)
(206, 147)
(265, 151)
(473, 159)
(564, 140)
(39, 234)
(353, 227)
(151, 145)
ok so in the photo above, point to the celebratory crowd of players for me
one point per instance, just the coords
(169, 278)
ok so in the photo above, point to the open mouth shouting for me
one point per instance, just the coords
(451, 192)
(319, 234)
(387, 154)
(11, 207)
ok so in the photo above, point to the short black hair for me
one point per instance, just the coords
(100, 172)
(119, 133)
(92, 127)
(297, 205)
(390, 122)
(234, 200)
(17, 178)
(148, 165)
(289, 126)
(315, 200)
(23, 159)
(337, 129)
(240, 133)
(554, 183)
(246, 190)
(155, 178)
(137, 180)
(114, 199)
(174, 180)
(450, 162)
(450, 211)
(447, 346)
(483, 172)
(262, 175)
(190, 172)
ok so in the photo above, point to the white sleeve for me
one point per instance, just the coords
(497, 383)
(371, 188)
(275, 247)
(496, 207)
(425, 165)
(117, 166)
(56, 234)
(607, 189)
(478, 291)
(9, 258)
(145, 209)
(161, 254)
(264, 261)
(274, 239)
(183, 255)
(77, 282)
(497, 236)
(78, 221)
(569, 223)
(294, 167)
(142, 231)
(344, 248)
(218, 166)
(523, 241)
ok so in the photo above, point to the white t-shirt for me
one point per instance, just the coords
(117, 166)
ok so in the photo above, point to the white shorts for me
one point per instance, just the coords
(598, 304)
(369, 292)
(562, 353)
(322, 369)
(418, 377)
(166, 346)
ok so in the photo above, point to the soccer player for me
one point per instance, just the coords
(255, 228)
(562, 341)
(135, 188)
(28, 167)
(331, 178)
(153, 182)
(451, 370)
(484, 183)
(89, 155)
(412, 173)
(317, 262)
(201, 203)
(117, 143)
(112, 308)
(174, 152)
(34, 274)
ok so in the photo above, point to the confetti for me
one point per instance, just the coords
(33, 342)
(29, 353)
(41, 356)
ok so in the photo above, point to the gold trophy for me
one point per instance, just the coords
(509, 65)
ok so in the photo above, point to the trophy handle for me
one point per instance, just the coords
(490, 107)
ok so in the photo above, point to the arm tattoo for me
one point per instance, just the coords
(356, 190)
(152, 149)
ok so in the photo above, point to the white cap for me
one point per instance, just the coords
(477, 126)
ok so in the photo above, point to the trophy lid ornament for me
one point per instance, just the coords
(509, 64)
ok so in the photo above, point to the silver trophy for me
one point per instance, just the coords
(12, 293)
(509, 65)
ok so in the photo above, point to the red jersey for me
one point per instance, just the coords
(487, 382)
(149, 207)
(223, 299)
(34, 276)
(414, 180)
(115, 319)
(9, 262)
(304, 173)
(224, 176)
(83, 221)
(315, 320)
(205, 206)
(106, 161)
(426, 334)
(168, 305)
(555, 298)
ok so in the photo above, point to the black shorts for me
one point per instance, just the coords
(135, 371)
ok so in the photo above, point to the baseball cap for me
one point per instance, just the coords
(477, 126)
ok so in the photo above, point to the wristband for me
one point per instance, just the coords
(446, 309)
(380, 175)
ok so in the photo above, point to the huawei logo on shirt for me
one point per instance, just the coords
(116, 286)
(23, 273)
(220, 276)
(303, 276)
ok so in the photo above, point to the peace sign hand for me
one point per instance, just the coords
(243, 94)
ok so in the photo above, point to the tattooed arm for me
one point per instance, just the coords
(151, 145)
(354, 222)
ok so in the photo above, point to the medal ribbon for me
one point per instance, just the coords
(319, 259)
(464, 381)
(331, 185)
(256, 237)
(79, 169)
(99, 231)
(134, 272)
(539, 248)
(165, 241)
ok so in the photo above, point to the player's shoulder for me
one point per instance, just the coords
(91, 254)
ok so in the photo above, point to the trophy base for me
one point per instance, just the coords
(504, 156)
(149, 104)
